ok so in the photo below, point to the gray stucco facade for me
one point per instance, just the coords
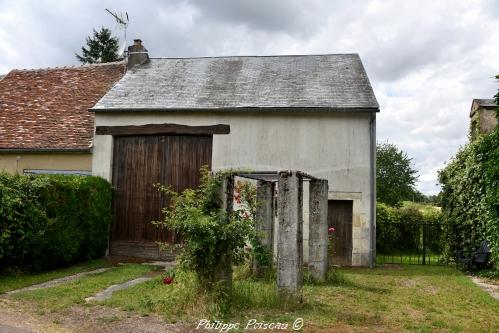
(333, 138)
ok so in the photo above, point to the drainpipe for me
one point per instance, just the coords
(372, 132)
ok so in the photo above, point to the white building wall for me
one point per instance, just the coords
(330, 145)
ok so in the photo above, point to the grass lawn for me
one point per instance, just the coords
(21, 280)
(405, 298)
(397, 299)
(75, 292)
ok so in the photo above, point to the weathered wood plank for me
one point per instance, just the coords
(340, 215)
(140, 162)
(162, 129)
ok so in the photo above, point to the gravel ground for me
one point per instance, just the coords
(488, 286)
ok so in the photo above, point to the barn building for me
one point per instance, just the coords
(167, 117)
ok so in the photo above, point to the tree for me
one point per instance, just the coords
(395, 179)
(102, 47)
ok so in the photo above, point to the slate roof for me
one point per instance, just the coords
(486, 103)
(48, 108)
(478, 103)
(336, 82)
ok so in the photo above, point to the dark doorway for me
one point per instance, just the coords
(141, 161)
(340, 214)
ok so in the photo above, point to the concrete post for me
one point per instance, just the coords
(264, 222)
(290, 238)
(318, 230)
(224, 269)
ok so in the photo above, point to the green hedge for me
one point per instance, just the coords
(52, 221)
(470, 196)
(398, 229)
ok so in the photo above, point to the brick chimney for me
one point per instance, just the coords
(137, 54)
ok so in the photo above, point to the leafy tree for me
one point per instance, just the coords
(102, 47)
(395, 178)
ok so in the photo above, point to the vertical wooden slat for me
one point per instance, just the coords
(340, 214)
(141, 161)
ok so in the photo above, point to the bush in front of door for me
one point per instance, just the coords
(52, 221)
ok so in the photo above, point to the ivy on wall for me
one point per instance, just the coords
(470, 196)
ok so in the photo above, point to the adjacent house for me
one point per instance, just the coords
(483, 116)
(45, 126)
(167, 117)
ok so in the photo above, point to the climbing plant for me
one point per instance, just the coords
(470, 196)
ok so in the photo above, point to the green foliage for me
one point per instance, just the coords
(52, 221)
(395, 178)
(208, 232)
(496, 98)
(399, 230)
(246, 198)
(470, 196)
(101, 48)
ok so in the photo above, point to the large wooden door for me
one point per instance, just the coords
(141, 161)
(340, 213)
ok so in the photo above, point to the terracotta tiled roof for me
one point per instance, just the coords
(48, 108)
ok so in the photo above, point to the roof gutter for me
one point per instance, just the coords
(237, 109)
(44, 150)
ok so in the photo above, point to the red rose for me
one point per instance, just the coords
(167, 280)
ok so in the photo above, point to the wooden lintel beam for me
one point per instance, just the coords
(157, 129)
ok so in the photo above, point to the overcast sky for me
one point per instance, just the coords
(426, 59)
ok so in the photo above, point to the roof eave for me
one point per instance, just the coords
(45, 150)
(240, 109)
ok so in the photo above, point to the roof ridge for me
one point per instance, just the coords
(76, 67)
(262, 56)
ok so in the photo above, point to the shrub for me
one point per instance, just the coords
(399, 229)
(208, 233)
(52, 221)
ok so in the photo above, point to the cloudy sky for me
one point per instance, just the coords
(426, 59)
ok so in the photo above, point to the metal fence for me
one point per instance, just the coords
(413, 244)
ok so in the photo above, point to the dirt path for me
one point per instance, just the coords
(491, 288)
(22, 317)
(56, 282)
(19, 316)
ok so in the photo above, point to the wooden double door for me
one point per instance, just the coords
(139, 162)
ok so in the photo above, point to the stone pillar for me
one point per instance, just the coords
(264, 222)
(318, 230)
(290, 238)
(224, 269)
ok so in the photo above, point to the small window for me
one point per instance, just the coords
(56, 172)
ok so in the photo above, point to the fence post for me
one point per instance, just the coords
(424, 244)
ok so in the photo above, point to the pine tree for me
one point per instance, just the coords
(100, 48)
